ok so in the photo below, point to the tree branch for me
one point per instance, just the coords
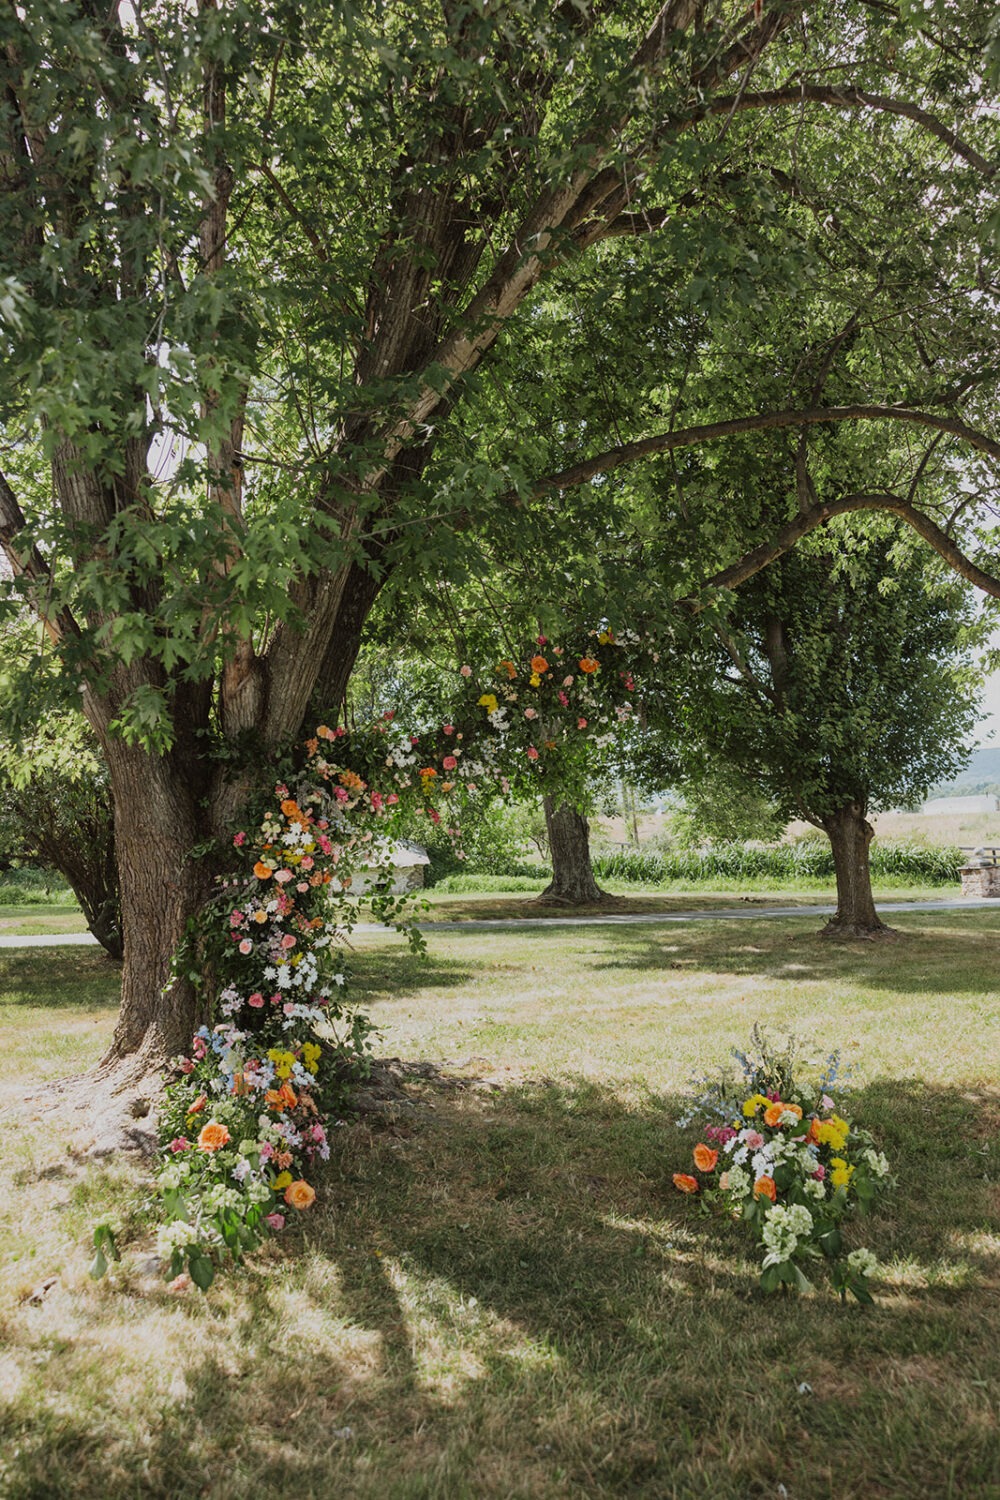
(689, 437)
(840, 97)
(28, 564)
(760, 557)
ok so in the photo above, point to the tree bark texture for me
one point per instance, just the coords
(850, 836)
(572, 882)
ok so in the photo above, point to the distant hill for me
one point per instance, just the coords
(980, 776)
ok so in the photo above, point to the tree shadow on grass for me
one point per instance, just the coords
(939, 957)
(59, 979)
(506, 1297)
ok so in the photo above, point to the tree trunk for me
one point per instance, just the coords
(158, 821)
(850, 834)
(573, 882)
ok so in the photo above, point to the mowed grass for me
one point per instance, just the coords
(499, 1293)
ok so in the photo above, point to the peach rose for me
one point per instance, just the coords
(588, 664)
(764, 1188)
(213, 1136)
(705, 1158)
(262, 871)
(685, 1184)
(539, 665)
(299, 1194)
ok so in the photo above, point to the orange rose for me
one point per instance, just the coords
(773, 1113)
(299, 1194)
(290, 808)
(686, 1184)
(813, 1130)
(764, 1188)
(198, 1105)
(213, 1135)
(705, 1158)
(262, 871)
(588, 664)
(539, 665)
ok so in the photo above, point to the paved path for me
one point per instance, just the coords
(481, 924)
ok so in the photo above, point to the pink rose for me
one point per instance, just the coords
(465, 671)
(288, 941)
(180, 1143)
(531, 713)
(581, 723)
(302, 886)
(239, 839)
(532, 753)
(308, 862)
(276, 1221)
(753, 1139)
(282, 876)
(288, 1007)
(447, 729)
(256, 1000)
(567, 682)
(449, 763)
(246, 946)
(541, 640)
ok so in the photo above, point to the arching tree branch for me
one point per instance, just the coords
(760, 557)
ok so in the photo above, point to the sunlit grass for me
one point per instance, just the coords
(499, 1294)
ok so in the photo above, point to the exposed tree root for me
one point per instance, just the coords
(854, 932)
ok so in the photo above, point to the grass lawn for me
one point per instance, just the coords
(499, 1293)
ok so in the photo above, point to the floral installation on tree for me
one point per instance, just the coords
(553, 711)
(778, 1155)
(247, 1118)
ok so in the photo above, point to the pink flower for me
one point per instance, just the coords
(753, 1139)
(465, 671)
(532, 753)
(567, 682)
(282, 876)
(239, 839)
(447, 729)
(324, 843)
(414, 739)
(531, 713)
(563, 700)
(541, 640)
(340, 792)
(288, 1007)
(187, 1066)
(199, 1047)
(236, 919)
(288, 941)
(581, 723)
(246, 946)
(302, 886)
(180, 1143)
(470, 786)
(820, 1173)
(376, 801)
(826, 1102)
(266, 1151)
(449, 763)
(256, 1000)
(276, 1221)
(308, 862)
(392, 799)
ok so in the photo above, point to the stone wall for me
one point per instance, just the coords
(980, 880)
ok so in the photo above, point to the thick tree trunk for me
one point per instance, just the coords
(850, 835)
(157, 823)
(573, 882)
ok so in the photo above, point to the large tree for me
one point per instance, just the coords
(842, 681)
(257, 259)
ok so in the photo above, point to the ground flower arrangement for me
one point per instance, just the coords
(778, 1155)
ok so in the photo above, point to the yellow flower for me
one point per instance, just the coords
(489, 702)
(535, 680)
(755, 1104)
(841, 1173)
(833, 1133)
(282, 1180)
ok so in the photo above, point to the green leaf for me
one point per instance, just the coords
(201, 1270)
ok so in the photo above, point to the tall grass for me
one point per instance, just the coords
(811, 858)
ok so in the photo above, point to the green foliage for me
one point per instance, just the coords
(810, 858)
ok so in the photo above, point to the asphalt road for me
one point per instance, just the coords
(481, 924)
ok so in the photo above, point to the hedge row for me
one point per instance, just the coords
(919, 862)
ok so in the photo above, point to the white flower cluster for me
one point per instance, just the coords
(862, 1262)
(783, 1229)
(177, 1235)
(878, 1162)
